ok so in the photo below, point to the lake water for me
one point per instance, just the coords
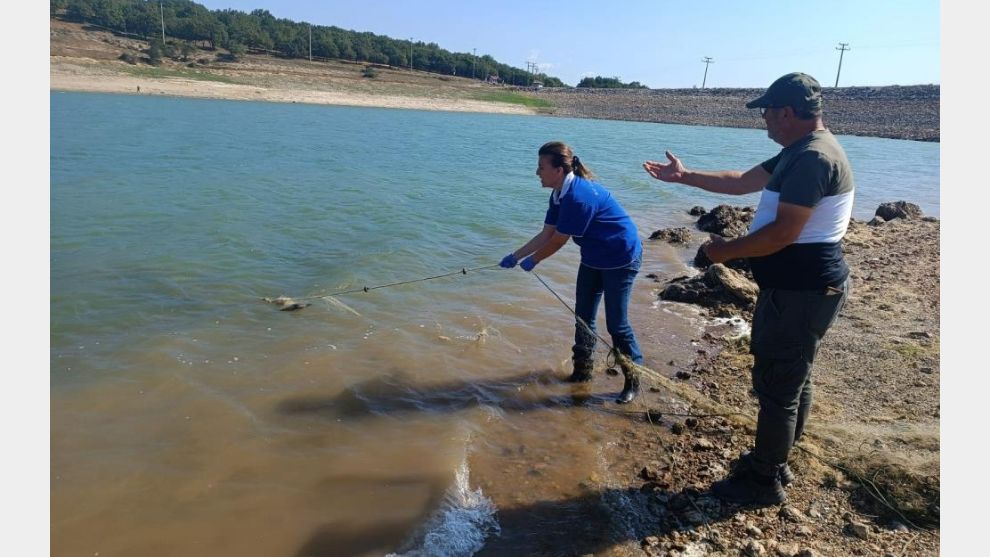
(191, 418)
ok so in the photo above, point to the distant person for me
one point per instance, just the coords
(794, 246)
(139, 88)
(611, 254)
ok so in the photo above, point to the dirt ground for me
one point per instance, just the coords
(868, 467)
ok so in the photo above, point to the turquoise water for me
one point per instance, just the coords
(170, 218)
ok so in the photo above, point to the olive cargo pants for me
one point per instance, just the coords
(788, 326)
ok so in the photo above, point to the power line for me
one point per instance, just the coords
(842, 48)
(707, 60)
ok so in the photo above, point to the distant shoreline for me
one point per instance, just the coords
(87, 60)
(61, 81)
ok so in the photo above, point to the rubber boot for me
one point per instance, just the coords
(582, 371)
(630, 389)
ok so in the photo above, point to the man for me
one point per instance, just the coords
(795, 252)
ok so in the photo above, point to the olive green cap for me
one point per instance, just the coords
(797, 90)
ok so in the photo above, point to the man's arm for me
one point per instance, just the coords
(731, 182)
(777, 235)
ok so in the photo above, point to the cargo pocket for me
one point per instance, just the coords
(779, 370)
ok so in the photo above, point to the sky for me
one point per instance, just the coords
(659, 43)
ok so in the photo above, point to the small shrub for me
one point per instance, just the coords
(129, 58)
(369, 72)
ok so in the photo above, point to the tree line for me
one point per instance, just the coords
(599, 82)
(237, 32)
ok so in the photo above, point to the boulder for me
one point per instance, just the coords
(672, 235)
(727, 221)
(734, 283)
(701, 261)
(898, 210)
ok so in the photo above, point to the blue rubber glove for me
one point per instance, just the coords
(528, 264)
(508, 262)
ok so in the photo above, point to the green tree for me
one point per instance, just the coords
(237, 50)
(155, 52)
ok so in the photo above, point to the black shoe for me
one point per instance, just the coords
(629, 390)
(746, 487)
(785, 475)
(582, 372)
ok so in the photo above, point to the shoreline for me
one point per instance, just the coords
(62, 80)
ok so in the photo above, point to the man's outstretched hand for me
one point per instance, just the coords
(670, 172)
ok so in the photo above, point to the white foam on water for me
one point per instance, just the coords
(740, 327)
(461, 524)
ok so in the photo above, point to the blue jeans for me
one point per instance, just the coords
(616, 286)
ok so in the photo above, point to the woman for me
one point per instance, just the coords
(611, 254)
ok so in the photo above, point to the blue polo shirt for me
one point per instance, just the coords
(588, 213)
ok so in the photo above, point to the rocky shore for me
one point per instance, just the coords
(868, 467)
(898, 112)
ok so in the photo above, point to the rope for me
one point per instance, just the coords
(463, 271)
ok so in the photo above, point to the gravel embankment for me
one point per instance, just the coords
(898, 112)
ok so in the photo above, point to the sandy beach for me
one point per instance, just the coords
(74, 75)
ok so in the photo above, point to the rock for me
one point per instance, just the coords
(703, 445)
(733, 282)
(697, 211)
(898, 210)
(727, 221)
(754, 531)
(787, 550)
(807, 552)
(860, 530)
(650, 541)
(753, 548)
(672, 235)
(899, 528)
(791, 514)
(677, 428)
(652, 472)
(691, 422)
(682, 375)
(803, 531)
(876, 221)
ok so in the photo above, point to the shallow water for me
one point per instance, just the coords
(191, 418)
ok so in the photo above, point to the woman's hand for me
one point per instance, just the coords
(509, 261)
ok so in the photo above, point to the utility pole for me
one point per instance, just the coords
(161, 6)
(310, 42)
(842, 48)
(410, 53)
(474, 62)
(707, 60)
